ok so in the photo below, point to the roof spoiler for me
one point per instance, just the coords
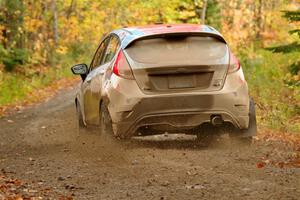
(201, 34)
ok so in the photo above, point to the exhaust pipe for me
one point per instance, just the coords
(216, 120)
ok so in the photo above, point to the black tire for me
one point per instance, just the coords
(252, 129)
(245, 136)
(105, 122)
(79, 116)
(81, 127)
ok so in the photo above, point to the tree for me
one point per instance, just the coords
(294, 69)
(203, 13)
(54, 13)
(259, 18)
(213, 14)
(199, 11)
(12, 38)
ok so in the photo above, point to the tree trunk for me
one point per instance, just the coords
(203, 14)
(55, 26)
(46, 30)
(71, 8)
(259, 19)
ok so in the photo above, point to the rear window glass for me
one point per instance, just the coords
(206, 50)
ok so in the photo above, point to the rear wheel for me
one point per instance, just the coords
(80, 123)
(79, 116)
(245, 136)
(105, 122)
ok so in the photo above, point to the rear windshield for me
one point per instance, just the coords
(179, 50)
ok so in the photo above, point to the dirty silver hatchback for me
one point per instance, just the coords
(165, 78)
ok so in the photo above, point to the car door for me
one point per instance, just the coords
(100, 68)
(91, 86)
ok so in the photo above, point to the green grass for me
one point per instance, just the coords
(277, 102)
(15, 87)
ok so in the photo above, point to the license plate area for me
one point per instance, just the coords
(181, 81)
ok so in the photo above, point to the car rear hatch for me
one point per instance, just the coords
(176, 63)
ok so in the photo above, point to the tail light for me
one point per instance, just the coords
(121, 67)
(234, 64)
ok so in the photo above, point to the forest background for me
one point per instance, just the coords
(41, 39)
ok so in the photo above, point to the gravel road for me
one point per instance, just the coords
(42, 147)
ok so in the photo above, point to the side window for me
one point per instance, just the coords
(99, 54)
(111, 50)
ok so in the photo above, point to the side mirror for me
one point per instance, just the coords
(80, 69)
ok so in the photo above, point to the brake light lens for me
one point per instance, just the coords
(121, 67)
(234, 63)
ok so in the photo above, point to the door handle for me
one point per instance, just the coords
(101, 72)
(88, 80)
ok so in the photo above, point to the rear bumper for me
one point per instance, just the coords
(132, 109)
(176, 121)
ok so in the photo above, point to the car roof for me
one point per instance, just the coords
(129, 34)
(169, 28)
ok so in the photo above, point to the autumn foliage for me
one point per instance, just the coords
(54, 34)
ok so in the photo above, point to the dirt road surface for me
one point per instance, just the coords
(41, 147)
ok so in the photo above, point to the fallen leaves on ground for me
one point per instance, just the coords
(290, 140)
(290, 163)
(15, 189)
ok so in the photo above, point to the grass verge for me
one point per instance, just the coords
(32, 84)
(277, 102)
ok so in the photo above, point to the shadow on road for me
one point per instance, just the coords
(164, 141)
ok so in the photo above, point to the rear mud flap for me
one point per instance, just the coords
(252, 129)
